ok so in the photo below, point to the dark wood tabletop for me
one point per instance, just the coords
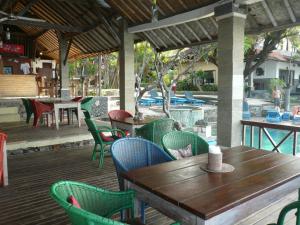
(206, 195)
(131, 121)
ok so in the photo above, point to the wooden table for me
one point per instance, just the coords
(184, 192)
(130, 124)
(66, 105)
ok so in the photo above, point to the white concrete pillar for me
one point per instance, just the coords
(63, 67)
(230, 80)
(127, 77)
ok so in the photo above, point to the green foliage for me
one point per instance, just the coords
(210, 87)
(276, 83)
(186, 85)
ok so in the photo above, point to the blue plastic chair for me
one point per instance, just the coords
(134, 153)
(147, 101)
(176, 100)
(286, 116)
(154, 95)
(273, 116)
(246, 111)
(191, 99)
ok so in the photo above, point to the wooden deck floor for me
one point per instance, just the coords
(26, 200)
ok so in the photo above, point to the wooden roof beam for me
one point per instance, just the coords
(182, 35)
(158, 38)
(44, 25)
(181, 18)
(174, 36)
(290, 11)
(167, 36)
(27, 7)
(192, 32)
(203, 30)
(151, 40)
(269, 13)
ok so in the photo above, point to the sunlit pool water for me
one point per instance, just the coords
(277, 135)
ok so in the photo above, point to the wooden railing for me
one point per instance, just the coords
(262, 128)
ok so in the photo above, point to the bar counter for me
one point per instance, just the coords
(18, 86)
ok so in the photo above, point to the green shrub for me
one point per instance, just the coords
(186, 85)
(210, 87)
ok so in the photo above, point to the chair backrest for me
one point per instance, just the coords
(188, 94)
(134, 153)
(27, 105)
(118, 114)
(155, 130)
(94, 131)
(39, 107)
(245, 106)
(181, 139)
(273, 114)
(153, 93)
(77, 99)
(86, 106)
(286, 210)
(96, 204)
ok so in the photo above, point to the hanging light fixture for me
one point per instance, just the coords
(7, 34)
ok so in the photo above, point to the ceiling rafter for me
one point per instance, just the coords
(211, 18)
(158, 38)
(182, 35)
(290, 10)
(151, 40)
(183, 4)
(269, 13)
(27, 7)
(192, 31)
(167, 36)
(203, 30)
(174, 36)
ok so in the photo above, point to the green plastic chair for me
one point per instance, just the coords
(180, 139)
(86, 106)
(97, 205)
(28, 108)
(99, 140)
(155, 130)
(284, 212)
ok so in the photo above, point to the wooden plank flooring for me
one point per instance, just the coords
(26, 200)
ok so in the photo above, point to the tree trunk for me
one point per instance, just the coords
(287, 97)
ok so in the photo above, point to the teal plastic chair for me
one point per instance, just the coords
(28, 108)
(97, 205)
(86, 106)
(102, 140)
(180, 139)
(155, 130)
(292, 206)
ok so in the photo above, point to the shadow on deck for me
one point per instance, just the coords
(26, 200)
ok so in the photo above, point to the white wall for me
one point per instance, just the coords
(38, 63)
(270, 69)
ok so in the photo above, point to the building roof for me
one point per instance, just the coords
(93, 24)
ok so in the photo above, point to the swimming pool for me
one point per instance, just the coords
(286, 147)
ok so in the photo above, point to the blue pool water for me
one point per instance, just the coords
(277, 135)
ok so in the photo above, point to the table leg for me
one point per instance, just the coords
(78, 113)
(5, 170)
(56, 112)
(68, 112)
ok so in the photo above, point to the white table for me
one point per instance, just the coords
(66, 105)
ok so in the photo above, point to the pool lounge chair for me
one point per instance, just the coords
(286, 116)
(191, 99)
(147, 101)
(154, 95)
(176, 100)
(273, 116)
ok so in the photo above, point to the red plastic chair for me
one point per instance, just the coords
(39, 109)
(3, 160)
(77, 99)
(117, 115)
